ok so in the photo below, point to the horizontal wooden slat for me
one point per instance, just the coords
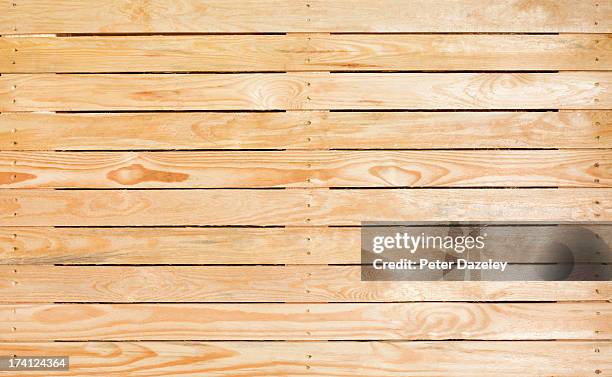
(306, 130)
(452, 359)
(311, 245)
(28, 284)
(579, 168)
(393, 321)
(121, 16)
(305, 52)
(311, 91)
(297, 245)
(23, 207)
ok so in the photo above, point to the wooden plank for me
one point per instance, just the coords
(311, 91)
(309, 245)
(392, 321)
(351, 207)
(306, 130)
(305, 52)
(578, 168)
(165, 16)
(23, 207)
(297, 207)
(296, 245)
(31, 284)
(452, 358)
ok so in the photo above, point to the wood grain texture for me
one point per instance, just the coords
(399, 359)
(305, 52)
(308, 245)
(579, 168)
(23, 207)
(166, 16)
(392, 321)
(306, 130)
(295, 245)
(310, 91)
(44, 284)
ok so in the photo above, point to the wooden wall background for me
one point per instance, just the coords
(182, 182)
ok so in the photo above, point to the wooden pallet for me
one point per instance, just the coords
(183, 182)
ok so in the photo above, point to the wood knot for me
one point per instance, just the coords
(137, 173)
